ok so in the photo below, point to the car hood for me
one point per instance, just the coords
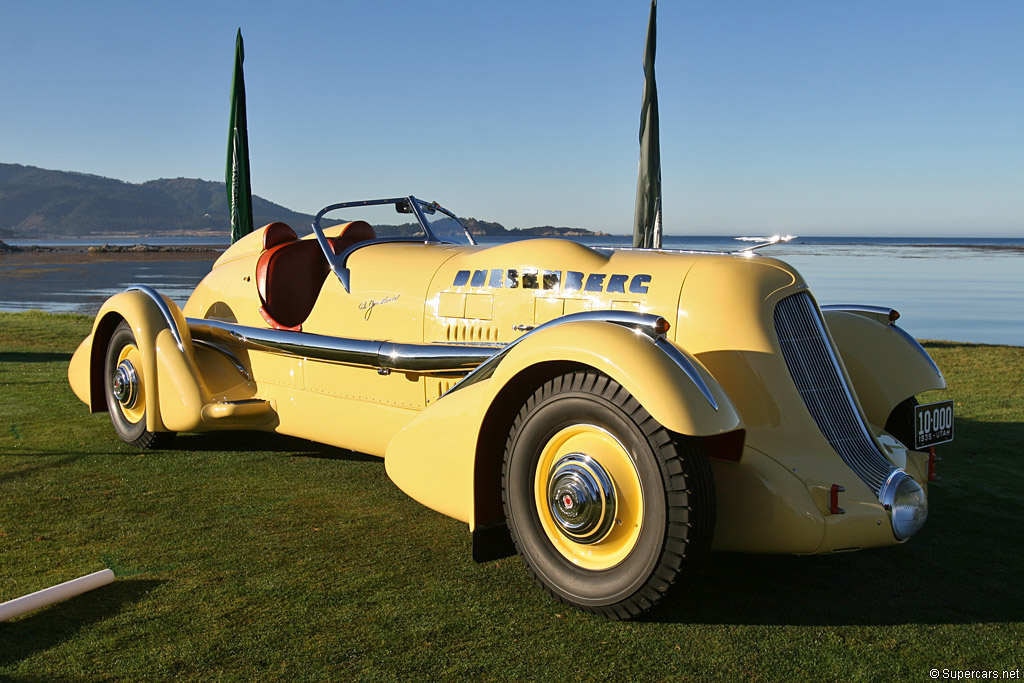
(493, 293)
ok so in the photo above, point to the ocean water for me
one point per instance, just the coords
(83, 287)
(957, 289)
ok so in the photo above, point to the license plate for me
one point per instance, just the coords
(933, 424)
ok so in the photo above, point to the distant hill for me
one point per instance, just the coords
(478, 227)
(36, 202)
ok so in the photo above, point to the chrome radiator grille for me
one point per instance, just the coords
(815, 371)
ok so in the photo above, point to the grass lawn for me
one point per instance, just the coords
(252, 556)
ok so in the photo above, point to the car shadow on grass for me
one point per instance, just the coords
(963, 567)
(238, 442)
(50, 626)
(835, 590)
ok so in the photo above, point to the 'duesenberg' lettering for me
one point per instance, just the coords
(573, 280)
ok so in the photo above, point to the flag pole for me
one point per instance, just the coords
(647, 212)
(236, 176)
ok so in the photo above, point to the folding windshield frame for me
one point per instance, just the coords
(337, 261)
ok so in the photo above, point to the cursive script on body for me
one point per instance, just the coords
(370, 304)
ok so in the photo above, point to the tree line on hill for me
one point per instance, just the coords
(36, 202)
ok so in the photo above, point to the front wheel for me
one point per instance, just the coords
(607, 508)
(125, 389)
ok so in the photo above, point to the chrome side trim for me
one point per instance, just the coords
(417, 358)
(641, 322)
(433, 357)
(165, 310)
(478, 360)
(644, 323)
(227, 354)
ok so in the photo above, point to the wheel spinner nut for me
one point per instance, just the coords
(581, 498)
(126, 384)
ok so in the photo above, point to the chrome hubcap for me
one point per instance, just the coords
(126, 384)
(581, 498)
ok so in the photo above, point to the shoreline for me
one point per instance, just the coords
(37, 255)
(40, 254)
(972, 294)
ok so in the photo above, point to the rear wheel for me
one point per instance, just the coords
(125, 389)
(606, 508)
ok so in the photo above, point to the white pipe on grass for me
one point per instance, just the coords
(48, 596)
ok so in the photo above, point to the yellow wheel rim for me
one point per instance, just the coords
(594, 454)
(134, 409)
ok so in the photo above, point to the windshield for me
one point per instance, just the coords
(395, 219)
(401, 218)
(445, 226)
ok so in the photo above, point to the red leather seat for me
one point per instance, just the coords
(290, 272)
(277, 233)
(356, 231)
(288, 278)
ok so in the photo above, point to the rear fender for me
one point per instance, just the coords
(173, 383)
(885, 364)
(465, 430)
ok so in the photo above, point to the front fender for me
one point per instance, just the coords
(173, 386)
(648, 371)
(464, 431)
(885, 364)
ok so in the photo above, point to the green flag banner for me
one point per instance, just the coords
(647, 216)
(237, 174)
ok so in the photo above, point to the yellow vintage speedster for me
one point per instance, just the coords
(614, 413)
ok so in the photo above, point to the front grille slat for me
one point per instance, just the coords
(815, 371)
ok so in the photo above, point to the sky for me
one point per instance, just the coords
(868, 117)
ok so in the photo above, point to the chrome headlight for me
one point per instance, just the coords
(906, 502)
